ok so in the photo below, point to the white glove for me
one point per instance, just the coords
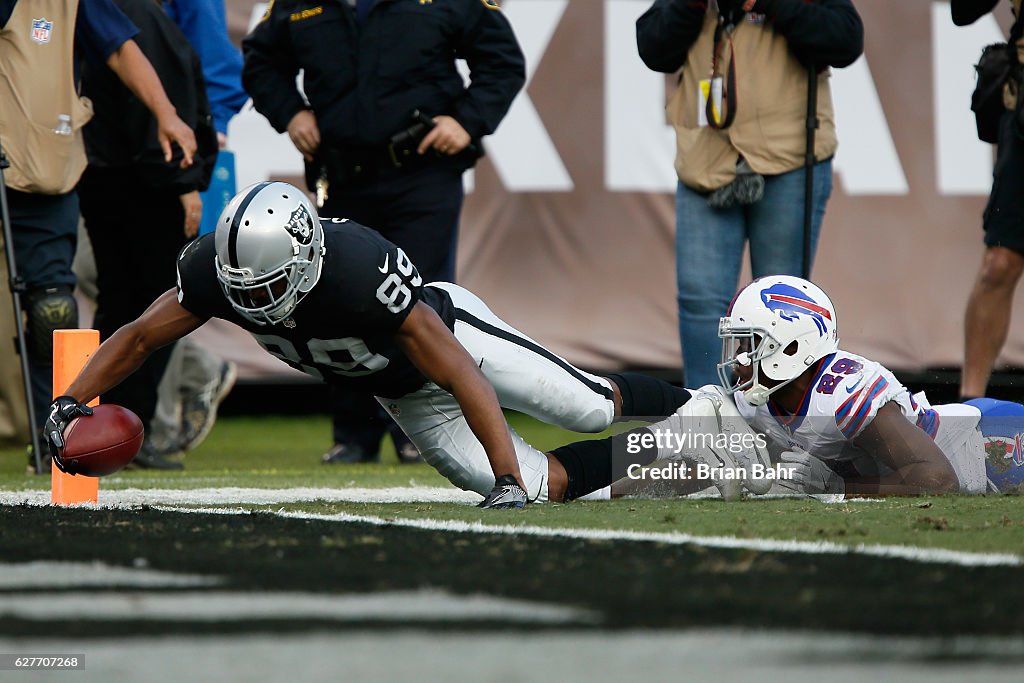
(801, 472)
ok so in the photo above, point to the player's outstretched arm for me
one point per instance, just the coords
(432, 348)
(165, 321)
(919, 465)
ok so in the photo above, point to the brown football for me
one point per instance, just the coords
(102, 443)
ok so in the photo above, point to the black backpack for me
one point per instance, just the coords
(997, 66)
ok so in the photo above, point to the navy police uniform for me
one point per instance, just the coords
(368, 66)
(343, 333)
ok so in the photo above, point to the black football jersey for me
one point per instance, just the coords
(342, 331)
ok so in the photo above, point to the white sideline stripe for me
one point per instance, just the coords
(48, 574)
(256, 496)
(171, 499)
(218, 606)
(899, 552)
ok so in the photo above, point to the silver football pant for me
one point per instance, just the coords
(526, 377)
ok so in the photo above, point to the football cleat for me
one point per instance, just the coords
(506, 494)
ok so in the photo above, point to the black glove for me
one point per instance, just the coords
(507, 493)
(63, 410)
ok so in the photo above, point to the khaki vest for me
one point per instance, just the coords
(769, 129)
(1010, 89)
(37, 86)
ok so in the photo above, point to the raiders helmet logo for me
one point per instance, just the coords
(300, 225)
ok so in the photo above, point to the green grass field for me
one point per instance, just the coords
(278, 453)
(256, 509)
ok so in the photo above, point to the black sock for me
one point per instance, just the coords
(644, 396)
(592, 465)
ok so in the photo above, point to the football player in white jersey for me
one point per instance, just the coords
(842, 423)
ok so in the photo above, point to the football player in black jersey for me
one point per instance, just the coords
(337, 301)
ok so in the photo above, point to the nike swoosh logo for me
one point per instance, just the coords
(850, 390)
(384, 268)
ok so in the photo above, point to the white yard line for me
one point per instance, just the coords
(220, 606)
(176, 499)
(385, 656)
(53, 574)
(256, 496)
(899, 552)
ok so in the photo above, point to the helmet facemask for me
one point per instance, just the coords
(267, 299)
(737, 342)
(270, 247)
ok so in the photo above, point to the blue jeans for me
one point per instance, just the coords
(709, 253)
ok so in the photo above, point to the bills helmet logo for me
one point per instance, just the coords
(42, 30)
(791, 303)
(300, 225)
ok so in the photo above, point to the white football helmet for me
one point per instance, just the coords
(778, 325)
(270, 248)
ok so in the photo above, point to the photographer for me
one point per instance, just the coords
(742, 141)
(388, 130)
(987, 320)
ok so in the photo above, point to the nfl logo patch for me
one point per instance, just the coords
(41, 30)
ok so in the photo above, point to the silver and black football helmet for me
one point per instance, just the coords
(270, 248)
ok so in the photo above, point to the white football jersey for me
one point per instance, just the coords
(841, 401)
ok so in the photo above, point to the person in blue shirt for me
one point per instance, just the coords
(205, 26)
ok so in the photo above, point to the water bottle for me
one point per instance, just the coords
(63, 125)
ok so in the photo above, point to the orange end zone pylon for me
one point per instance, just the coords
(71, 349)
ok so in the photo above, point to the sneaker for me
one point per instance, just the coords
(199, 412)
(348, 454)
(408, 454)
(149, 459)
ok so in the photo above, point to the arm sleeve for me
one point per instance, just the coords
(497, 68)
(666, 32)
(205, 26)
(101, 28)
(969, 11)
(823, 33)
(269, 69)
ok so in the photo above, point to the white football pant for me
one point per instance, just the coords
(526, 377)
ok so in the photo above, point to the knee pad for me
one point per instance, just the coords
(46, 310)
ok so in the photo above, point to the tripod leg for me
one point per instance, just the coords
(17, 288)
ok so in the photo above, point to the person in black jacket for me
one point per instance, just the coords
(387, 128)
(139, 211)
(987, 319)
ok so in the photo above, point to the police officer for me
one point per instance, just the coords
(387, 126)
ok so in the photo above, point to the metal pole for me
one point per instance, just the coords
(809, 161)
(17, 287)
